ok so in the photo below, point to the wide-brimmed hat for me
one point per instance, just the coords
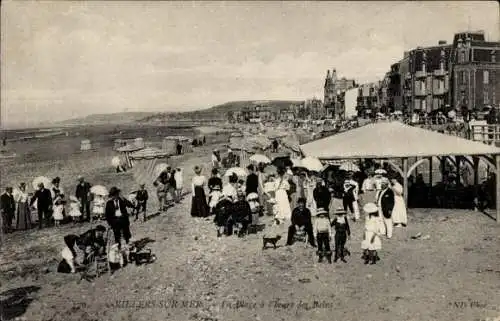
(340, 211)
(113, 191)
(252, 196)
(321, 212)
(370, 208)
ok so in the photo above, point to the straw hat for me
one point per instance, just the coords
(321, 211)
(370, 208)
(340, 211)
(252, 196)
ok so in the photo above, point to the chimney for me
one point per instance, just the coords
(327, 74)
(424, 61)
(442, 42)
(468, 41)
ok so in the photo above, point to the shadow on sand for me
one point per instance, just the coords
(14, 302)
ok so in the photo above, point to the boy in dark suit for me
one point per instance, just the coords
(142, 199)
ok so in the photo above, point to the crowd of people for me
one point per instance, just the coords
(303, 199)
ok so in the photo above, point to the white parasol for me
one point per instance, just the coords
(99, 190)
(240, 172)
(116, 161)
(312, 164)
(349, 167)
(42, 179)
(160, 168)
(380, 171)
(259, 158)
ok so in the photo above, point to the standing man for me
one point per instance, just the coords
(8, 208)
(252, 183)
(83, 195)
(117, 216)
(350, 196)
(385, 203)
(43, 199)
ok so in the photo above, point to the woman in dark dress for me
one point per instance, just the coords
(199, 205)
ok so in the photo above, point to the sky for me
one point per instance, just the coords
(70, 59)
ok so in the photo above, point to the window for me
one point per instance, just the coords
(486, 99)
(463, 77)
(486, 77)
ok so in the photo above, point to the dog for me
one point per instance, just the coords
(271, 240)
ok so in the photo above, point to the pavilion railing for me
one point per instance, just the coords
(488, 134)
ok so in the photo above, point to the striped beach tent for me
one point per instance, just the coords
(145, 161)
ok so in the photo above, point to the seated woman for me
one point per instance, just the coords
(222, 211)
(69, 255)
(242, 214)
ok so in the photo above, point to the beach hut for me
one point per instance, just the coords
(145, 162)
(169, 144)
(85, 145)
(139, 143)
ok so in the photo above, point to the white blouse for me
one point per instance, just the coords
(20, 196)
(198, 180)
(281, 183)
(230, 191)
(67, 255)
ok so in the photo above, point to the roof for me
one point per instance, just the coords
(149, 153)
(128, 148)
(179, 138)
(393, 140)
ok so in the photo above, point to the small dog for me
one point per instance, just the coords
(270, 240)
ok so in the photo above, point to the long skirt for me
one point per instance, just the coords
(199, 206)
(23, 216)
(284, 211)
(399, 211)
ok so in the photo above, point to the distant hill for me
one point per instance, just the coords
(101, 119)
(219, 111)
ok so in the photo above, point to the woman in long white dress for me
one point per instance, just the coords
(310, 202)
(399, 215)
(281, 187)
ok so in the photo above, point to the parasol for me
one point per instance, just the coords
(43, 180)
(99, 190)
(349, 167)
(160, 168)
(311, 164)
(258, 158)
(240, 172)
(380, 172)
(115, 162)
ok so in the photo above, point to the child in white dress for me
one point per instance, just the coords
(98, 206)
(74, 209)
(58, 212)
(373, 230)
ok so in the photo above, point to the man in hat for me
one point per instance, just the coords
(117, 216)
(385, 204)
(8, 208)
(82, 193)
(43, 197)
(252, 183)
(142, 199)
(342, 232)
(350, 196)
(301, 218)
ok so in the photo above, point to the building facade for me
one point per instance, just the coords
(368, 100)
(476, 72)
(334, 91)
(463, 76)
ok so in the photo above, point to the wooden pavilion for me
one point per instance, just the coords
(395, 140)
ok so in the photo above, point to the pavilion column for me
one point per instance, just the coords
(497, 162)
(457, 164)
(475, 160)
(405, 180)
(430, 174)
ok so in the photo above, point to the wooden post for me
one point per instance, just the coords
(405, 180)
(430, 172)
(475, 160)
(497, 162)
(457, 164)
